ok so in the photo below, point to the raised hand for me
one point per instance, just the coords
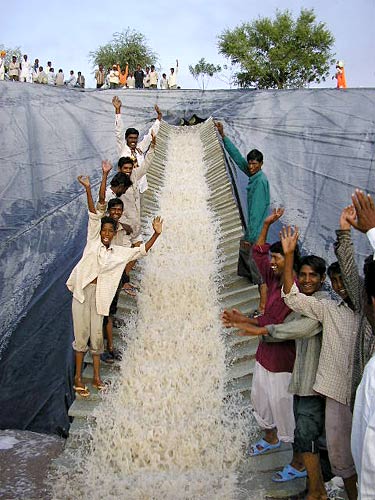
(157, 224)
(347, 217)
(106, 166)
(289, 239)
(157, 109)
(365, 212)
(84, 180)
(116, 101)
(274, 216)
(220, 128)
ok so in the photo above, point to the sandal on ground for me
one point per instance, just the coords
(81, 391)
(116, 354)
(288, 474)
(107, 358)
(130, 289)
(101, 386)
(253, 450)
(117, 322)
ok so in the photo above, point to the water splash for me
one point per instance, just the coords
(166, 430)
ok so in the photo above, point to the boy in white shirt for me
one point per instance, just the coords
(94, 282)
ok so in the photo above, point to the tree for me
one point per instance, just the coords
(203, 71)
(129, 46)
(279, 53)
(228, 75)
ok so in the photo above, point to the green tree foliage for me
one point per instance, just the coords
(203, 71)
(11, 52)
(280, 52)
(129, 46)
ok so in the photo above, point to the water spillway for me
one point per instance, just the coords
(168, 428)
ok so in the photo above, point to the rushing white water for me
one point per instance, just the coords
(164, 431)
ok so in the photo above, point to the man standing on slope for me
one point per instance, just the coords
(258, 202)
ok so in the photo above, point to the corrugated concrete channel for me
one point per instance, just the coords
(234, 291)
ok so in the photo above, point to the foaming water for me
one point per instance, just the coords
(164, 431)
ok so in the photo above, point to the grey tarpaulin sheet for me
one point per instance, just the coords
(318, 146)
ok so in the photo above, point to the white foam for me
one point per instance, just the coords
(7, 442)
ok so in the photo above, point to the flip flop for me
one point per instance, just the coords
(106, 357)
(115, 354)
(82, 391)
(253, 450)
(130, 289)
(102, 386)
(288, 474)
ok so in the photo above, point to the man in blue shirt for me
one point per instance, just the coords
(258, 202)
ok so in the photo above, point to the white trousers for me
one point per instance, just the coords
(273, 404)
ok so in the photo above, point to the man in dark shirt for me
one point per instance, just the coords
(138, 77)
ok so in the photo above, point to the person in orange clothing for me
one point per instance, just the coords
(340, 75)
(123, 74)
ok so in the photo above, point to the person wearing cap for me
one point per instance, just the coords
(2, 64)
(114, 77)
(14, 69)
(340, 75)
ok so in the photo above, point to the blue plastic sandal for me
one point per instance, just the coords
(288, 474)
(254, 450)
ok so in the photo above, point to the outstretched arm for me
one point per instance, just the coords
(142, 170)
(146, 141)
(106, 168)
(245, 325)
(268, 221)
(157, 225)
(85, 181)
(119, 125)
(231, 149)
(289, 239)
(344, 251)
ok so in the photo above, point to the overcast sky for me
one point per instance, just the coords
(66, 31)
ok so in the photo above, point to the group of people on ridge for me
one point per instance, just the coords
(115, 77)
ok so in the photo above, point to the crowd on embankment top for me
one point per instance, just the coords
(106, 78)
(314, 376)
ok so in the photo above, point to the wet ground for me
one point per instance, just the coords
(24, 460)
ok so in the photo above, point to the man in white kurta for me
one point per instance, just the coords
(129, 144)
(26, 70)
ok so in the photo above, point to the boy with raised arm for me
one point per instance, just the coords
(129, 145)
(258, 203)
(93, 282)
(334, 373)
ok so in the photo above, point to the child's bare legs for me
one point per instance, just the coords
(109, 332)
(78, 375)
(96, 365)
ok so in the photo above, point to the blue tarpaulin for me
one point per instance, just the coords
(318, 147)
